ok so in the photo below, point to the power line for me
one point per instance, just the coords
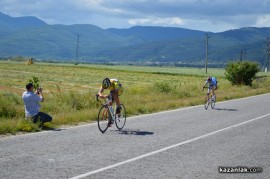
(206, 51)
(141, 8)
(243, 53)
(77, 49)
(267, 51)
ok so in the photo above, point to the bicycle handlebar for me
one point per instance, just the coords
(204, 87)
(97, 97)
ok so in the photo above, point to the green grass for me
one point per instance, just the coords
(70, 90)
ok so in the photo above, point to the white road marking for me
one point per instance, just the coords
(166, 148)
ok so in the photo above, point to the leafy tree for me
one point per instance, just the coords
(35, 82)
(241, 72)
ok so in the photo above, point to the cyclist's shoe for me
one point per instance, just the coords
(110, 120)
(110, 123)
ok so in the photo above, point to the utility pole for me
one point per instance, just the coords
(206, 55)
(77, 49)
(242, 54)
(267, 59)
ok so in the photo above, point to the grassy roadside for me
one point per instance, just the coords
(70, 91)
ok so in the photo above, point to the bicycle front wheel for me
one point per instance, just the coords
(121, 119)
(206, 103)
(103, 118)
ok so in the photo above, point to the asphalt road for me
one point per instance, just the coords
(186, 143)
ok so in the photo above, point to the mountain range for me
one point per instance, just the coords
(31, 37)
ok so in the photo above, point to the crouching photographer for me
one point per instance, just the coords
(31, 104)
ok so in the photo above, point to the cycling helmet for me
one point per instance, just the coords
(106, 83)
(209, 78)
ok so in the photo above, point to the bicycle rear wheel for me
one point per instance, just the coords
(121, 120)
(103, 119)
(213, 102)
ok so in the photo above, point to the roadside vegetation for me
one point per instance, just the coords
(241, 72)
(69, 91)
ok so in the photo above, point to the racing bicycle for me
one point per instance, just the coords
(210, 99)
(108, 115)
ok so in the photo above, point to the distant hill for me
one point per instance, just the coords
(10, 24)
(247, 34)
(31, 37)
(148, 33)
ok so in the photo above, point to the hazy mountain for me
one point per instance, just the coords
(146, 33)
(29, 36)
(11, 24)
(247, 34)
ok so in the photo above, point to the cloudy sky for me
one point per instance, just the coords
(206, 15)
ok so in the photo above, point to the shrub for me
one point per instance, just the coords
(8, 126)
(163, 87)
(241, 72)
(10, 105)
(27, 126)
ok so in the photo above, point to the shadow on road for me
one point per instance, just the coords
(225, 109)
(51, 129)
(135, 132)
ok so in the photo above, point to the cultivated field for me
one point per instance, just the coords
(70, 90)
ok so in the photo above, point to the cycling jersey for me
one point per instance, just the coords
(212, 83)
(115, 85)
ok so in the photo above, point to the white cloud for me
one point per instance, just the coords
(138, 21)
(210, 15)
(171, 21)
(209, 25)
(263, 21)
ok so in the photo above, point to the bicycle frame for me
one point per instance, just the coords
(103, 117)
(110, 108)
(211, 94)
(211, 99)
